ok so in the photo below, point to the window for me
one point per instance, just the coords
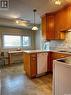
(12, 41)
(26, 41)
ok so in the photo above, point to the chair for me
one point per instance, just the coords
(3, 59)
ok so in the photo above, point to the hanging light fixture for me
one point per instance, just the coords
(34, 26)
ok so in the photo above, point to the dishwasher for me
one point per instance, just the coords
(41, 63)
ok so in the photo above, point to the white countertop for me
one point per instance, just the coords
(35, 51)
(15, 51)
(39, 51)
(59, 51)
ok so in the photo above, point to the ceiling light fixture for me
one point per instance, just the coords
(57, 2)
(22, 22)
(17, 21)
(34, 26)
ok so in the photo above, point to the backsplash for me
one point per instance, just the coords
(68, 39)
(59, 44)
(54, 44)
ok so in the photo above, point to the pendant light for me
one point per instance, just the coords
(34, 25)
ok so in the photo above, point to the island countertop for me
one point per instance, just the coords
(40, 51)
(35, 51)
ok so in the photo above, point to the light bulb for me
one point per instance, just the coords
(57, 2)
(34, 28)
(17, 21)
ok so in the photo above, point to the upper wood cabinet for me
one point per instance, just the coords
(69, 17)
(44, 26)
(48, 27)
(55, 24)
(61, 22)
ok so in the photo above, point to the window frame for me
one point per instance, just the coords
(29, 43)
(21, 42)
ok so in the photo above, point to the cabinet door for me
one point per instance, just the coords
(27, 64)
(44, 26)
(61, 20)
(61, 23)
(33, 65)
(50, 62)
(69, 17)
(50, 27)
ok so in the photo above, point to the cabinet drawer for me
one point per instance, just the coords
(33, 55)
(33, 59)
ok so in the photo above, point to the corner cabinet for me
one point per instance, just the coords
(48, 27)
(53, 56)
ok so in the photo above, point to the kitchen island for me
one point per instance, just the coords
(35, 62)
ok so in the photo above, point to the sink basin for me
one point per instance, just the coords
(62, 51)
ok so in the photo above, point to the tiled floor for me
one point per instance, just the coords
(15, 82)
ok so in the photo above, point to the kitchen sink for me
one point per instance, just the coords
(62, 51)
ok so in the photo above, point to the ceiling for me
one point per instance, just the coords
(24, 9)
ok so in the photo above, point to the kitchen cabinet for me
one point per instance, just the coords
(63, 19)
(53, 56)
(61, 22)
(51, 26)
(57, 55)
(50, 61)
(44, 27)
(69, 17)
(35, 63)
(55, 24)
(30, 64)
(48, 27)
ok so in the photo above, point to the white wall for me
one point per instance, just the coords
(38, 39)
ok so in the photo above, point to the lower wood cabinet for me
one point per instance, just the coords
(30, 64)
(35, 64)
(53, 56)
